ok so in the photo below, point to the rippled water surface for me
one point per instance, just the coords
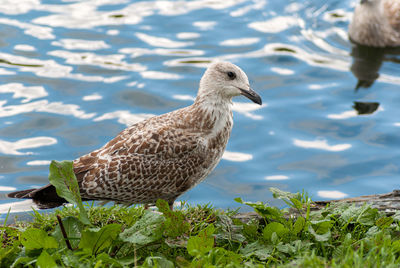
(73, 74)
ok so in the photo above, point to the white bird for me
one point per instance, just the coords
(376, 23)
(163, 156)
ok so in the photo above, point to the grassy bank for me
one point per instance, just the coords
(201, 236)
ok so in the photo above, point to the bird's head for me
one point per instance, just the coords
(226, 80)
(366, 3)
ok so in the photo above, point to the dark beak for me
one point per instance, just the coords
(251, 94)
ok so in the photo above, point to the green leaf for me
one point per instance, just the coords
(146, 230)
(257, 249)
(95, 240)
(227, 230)
(296, 203)
(202, 243)
(8, 254)
(21, 261)
(279, 194)
(158, 261)
(274, 227)
(373, 231)
(271, 213)
(322, 226)
(299, 225)
(365, 215)
(45, 261)
(34, 238)
(319, 237)
(368, 215)
(175, 224)
(73, 228)
(384, 222)
(106, 259)
(62, 177)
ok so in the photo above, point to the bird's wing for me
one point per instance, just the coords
(146, 160)
(392, 10)
(140, 178)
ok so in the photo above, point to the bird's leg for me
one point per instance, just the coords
(171, 204)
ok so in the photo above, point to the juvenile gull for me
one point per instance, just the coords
(163, 156)
(376, 23)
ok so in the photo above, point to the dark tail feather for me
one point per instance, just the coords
(20, 194)
(44, 197)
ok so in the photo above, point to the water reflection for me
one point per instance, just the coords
(331, 194)
(43, 106)
(79, 44)
(276, 178)
(7, 188)
(321, 144)
(366, 64)
(365, 107)
(236, 156)
(12, 148)
(21, 91)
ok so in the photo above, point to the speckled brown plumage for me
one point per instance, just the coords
(166, 155)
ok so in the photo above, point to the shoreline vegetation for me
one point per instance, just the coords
(338, 234)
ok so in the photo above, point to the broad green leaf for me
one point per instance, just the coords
(157, 261)
(264, 210)
(95, 240)
(219, 257)
(62, 177)
(107, 261)
(299, 225)
(146, 230)
(70, 259)
(365, 215)
(45, 261)
(322, 226)
(202, 243)
(73, 228)
(320, 237)
(257, 249)
(373, 231)
(384, 222)
(34, 238)
(274, 227)
(368, 216)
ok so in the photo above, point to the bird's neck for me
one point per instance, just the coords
(213, 114)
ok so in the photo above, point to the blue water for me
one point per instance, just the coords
(73, 74)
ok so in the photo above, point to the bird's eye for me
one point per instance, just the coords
(231, 75)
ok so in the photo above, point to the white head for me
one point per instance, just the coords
(224, 80)
(369, 8)
(369, 2)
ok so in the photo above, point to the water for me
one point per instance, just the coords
(73, 74)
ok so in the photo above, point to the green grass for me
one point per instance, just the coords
(340, 235)
(201, 236)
